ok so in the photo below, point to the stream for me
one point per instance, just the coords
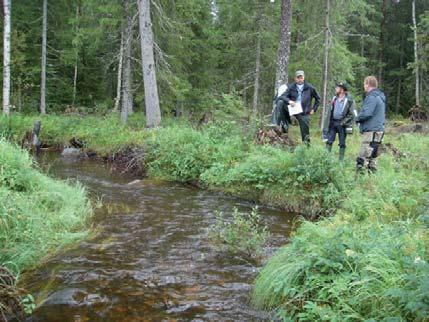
(150, 259)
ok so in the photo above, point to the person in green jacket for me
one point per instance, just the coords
(339, 116)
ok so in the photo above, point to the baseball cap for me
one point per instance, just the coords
(299, 73)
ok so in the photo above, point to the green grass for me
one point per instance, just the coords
(37, 214)
(368, 262)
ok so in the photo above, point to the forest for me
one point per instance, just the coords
(142, 179)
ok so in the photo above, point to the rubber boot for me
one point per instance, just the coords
(329, 147)
(342, 154)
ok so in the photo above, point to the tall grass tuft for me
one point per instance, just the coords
(37, 214)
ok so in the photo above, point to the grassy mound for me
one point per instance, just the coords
(370, 261)
(37, 213)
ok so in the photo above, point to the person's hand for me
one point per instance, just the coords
(292, 103)
(311, 112)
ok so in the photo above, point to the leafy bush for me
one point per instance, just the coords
(243, 234)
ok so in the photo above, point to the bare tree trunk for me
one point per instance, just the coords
(153, 111)
(381, 41)
(6, 55)
(127, 96)
(416, 56)
(283, 52)
(326, 59)
(398, 94)
(119, 82)
(258, 61)
(43, 73)
(76, 57)
(257, 76)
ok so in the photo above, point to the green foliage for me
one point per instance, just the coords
(104, 134)
(37, 213)
(242, 234)
(28, 304)
(368, 262)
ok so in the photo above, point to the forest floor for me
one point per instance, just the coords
(366, 258)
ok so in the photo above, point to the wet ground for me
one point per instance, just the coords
(151, 260)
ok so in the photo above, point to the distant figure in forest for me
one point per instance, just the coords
(296, 100)
(371, 121)
(339, 118)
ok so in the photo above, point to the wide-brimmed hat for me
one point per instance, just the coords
(344, 85)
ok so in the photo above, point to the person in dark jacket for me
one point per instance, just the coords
(371, 121)
(300, 92)
(338, 118)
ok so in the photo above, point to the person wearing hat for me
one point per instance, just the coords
(299, 93)
(338, 118)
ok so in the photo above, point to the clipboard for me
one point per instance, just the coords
(296, 109)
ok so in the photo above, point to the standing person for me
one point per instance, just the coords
(301, 92)
(339, 118)
(371, 121)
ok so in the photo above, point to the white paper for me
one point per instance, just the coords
(296, 109)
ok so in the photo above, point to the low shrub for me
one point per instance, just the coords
(241, 234)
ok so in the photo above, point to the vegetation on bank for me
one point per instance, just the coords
(368, 261)
(37, 213)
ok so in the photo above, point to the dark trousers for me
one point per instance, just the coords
(280, 115)
(304, 126)
(334, 128)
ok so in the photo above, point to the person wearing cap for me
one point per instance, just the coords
(338, 118)
(301, 92)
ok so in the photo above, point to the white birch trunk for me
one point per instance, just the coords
(258, 60)
(6, 55)
(119, 81)
(153, 112)
(43, 72)
(283, 53)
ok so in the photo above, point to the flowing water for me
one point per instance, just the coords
(151, 259)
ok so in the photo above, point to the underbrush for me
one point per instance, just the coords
(241, 234)
(37, 214)
(368, 262)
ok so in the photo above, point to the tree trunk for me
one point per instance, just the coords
(153, 112)
(6, 55)
(43, 73)
(283, 52)
(76, 57)
(127, 96)
(398, 94)
(258, 61)
(119, 82)
(326, 59)
(416, 56)
(381, 42)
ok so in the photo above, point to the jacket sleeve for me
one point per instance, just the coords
(285, 97)
(368, 109)
(316, 97)
(348, 120)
